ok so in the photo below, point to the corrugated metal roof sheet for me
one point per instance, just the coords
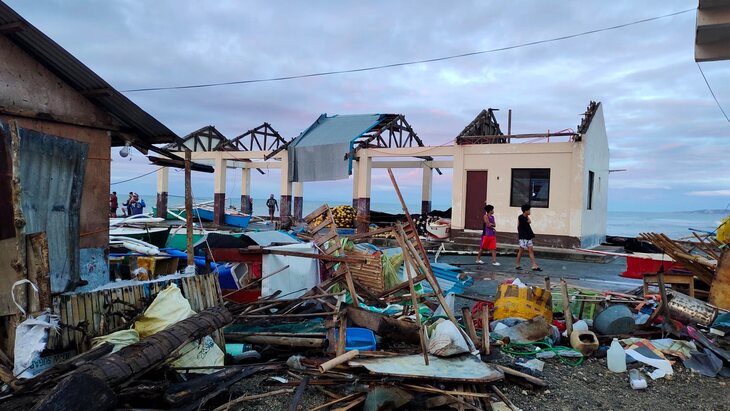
(336, 129)
(133, 119)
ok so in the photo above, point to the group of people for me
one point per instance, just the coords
(525, 236)
(133, 206)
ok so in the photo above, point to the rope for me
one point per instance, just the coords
(530, 349)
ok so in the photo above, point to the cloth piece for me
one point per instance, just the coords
(318, 154)
(301, 276)
(706, 363)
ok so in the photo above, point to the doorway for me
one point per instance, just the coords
(476, 197)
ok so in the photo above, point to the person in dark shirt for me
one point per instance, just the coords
(525, 236)
(273, 205)
(489, 236)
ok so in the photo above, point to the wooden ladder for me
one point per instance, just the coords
(325, 237)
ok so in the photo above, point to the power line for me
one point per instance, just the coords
(135, 178)
(408, 63)
(713, 93)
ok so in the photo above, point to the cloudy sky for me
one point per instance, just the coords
(663, 125)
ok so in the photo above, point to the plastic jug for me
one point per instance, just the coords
(616, 357)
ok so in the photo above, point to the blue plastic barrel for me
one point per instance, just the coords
(358, 339)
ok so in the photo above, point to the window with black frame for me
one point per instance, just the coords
(530, 186)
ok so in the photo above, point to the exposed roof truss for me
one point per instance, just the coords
(261, 138)
(482, 130)
(204, 139)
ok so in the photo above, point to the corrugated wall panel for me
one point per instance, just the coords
(51, 177)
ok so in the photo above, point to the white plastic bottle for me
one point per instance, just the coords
(616, 357)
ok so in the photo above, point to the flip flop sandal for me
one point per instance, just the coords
(518, 268)
(537, 269)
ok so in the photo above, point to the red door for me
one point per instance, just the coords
(476, 197)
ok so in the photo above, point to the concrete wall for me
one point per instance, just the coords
(559, 219)
(40, 101)
(595, 156)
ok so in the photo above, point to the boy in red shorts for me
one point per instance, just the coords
(489, 236)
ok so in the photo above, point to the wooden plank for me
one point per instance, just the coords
(8, 276)
(316, 213)
(89, 318)
(63, 320)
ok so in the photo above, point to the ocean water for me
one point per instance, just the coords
(620, 223)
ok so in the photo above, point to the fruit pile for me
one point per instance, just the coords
(344, 216)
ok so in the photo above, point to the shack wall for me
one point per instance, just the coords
(561, 220)
(41, 101)
(595, 158)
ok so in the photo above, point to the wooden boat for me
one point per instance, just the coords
(156, 236)
(231, 218)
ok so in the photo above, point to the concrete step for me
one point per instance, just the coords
(472, 247)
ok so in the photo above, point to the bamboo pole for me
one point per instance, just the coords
(340, 359)
(407, 265)
(189, 209)
(566, 307)
(485, 330)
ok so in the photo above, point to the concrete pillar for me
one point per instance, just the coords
(426, 190)
(285, 190)
(364, 178)
(246, 191)
(458, 190)
(298, 189)
(219, 191)
(163, 183)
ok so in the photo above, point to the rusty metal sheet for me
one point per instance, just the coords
(51, 179)
(461, 368)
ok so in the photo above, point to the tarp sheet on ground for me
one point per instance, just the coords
(318, 154)
(301, 274)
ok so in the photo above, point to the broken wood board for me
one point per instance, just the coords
(8, 276)
(462, 368)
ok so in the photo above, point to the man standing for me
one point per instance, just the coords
(136, 205)
(273, 206)
(113, 204)
(525, 236)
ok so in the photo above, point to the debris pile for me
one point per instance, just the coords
(370, 328)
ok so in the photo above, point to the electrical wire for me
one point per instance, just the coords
(531, 349)
(135, 178)
(408, 63)
(713, 93)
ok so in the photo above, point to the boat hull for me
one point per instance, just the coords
(232, 220)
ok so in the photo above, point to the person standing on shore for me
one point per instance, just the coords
(113, 204)
(136, 206)
(489, 236)
(273, 206)
(127, 206)
(525, 236)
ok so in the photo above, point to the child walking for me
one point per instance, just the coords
(525, 236)
(489, 236)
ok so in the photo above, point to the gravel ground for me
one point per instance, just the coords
(591, 386)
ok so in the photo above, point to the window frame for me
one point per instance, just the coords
(591, 184)
(529, 201)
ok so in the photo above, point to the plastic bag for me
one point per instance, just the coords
(31, 337)
(526, 303)
(446, 340)
(119, 339)
(170, 307)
